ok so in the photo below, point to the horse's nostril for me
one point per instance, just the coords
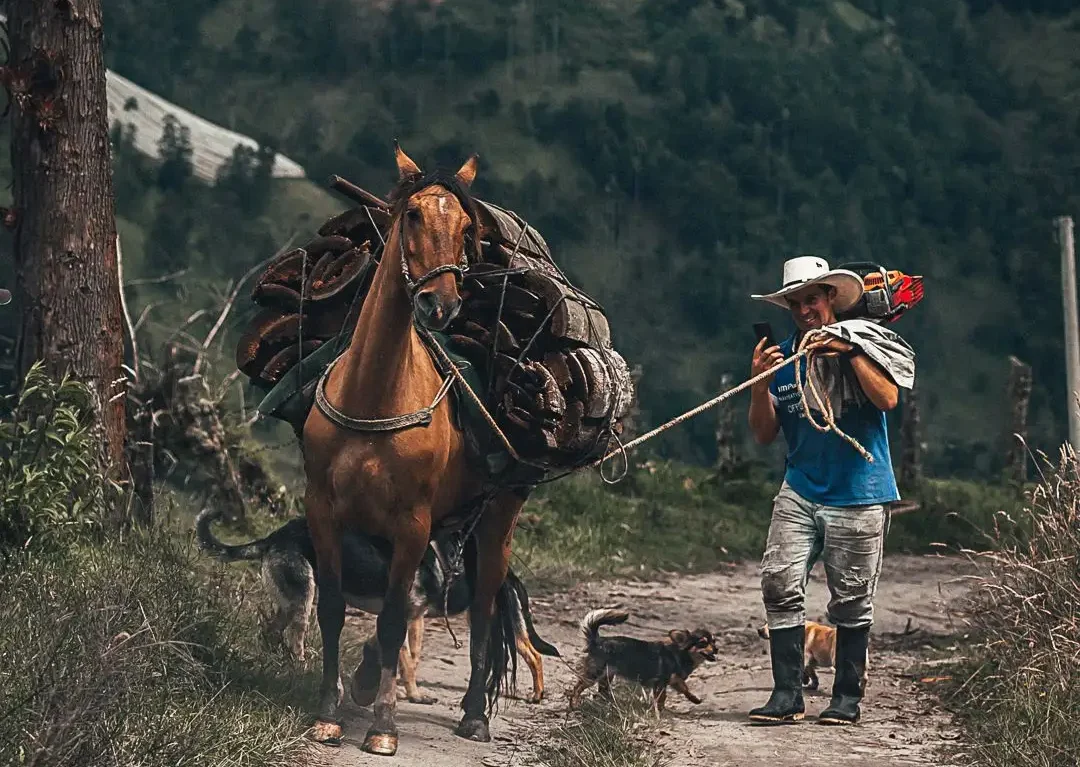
(427, 302)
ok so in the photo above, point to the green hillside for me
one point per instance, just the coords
(673, 152)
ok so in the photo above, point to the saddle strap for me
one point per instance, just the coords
(420, 417)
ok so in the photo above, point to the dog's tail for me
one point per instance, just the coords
(524, 616)
(593, 620)
(223, 551)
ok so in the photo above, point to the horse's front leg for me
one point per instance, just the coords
(409, 544)
(326, 540)
(494, 535)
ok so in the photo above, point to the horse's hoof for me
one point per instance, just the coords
(474, 729)
(380, 744)
(328, 733)
(535, 698)
(423, 700)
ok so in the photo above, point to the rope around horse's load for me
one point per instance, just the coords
(803, 352)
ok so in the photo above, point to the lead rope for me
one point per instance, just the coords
(824, 404)
(802, 352)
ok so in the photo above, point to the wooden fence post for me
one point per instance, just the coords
(911, 472)
(726, 457)
(1016, 439)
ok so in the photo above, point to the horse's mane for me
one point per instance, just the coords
(410, 185)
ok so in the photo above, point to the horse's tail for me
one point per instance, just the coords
(594, 619)
(501, 671)
(522, 597)
(223, 551)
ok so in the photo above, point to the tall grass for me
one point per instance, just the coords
(126, 649)
(1020, 697)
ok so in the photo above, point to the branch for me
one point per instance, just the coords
(224, 389)
(356, 194)
(142, 317)
(127, 314)
(232, 300)
(154, 280)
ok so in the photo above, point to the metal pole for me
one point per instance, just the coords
(1072, 325)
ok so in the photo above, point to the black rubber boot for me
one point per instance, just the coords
(785, 706)
(850, 679)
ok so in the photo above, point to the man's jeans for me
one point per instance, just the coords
(849, 539)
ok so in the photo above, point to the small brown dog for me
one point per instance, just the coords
(654, 665)
(819, 651)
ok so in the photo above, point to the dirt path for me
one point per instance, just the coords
(899, 727)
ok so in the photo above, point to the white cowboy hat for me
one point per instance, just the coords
(804, 271)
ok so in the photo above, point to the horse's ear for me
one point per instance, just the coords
(467, 173)
(405, 165)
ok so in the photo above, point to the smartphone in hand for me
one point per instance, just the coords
(764, 330)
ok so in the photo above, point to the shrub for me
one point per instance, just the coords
(1022, 689)
(50, 486)
(127, 653)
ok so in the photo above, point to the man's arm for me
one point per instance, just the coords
(763, 420)
(876, 384)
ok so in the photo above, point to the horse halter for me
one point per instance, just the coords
(413, 286)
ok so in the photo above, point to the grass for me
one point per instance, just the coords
(602, 734)
(1018, 694)
(131, 651)
(121, 647)
(672, 516)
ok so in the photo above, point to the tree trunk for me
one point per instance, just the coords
(65, 239)
(1016, 458)
(910, 441)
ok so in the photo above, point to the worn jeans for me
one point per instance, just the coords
(849, 539)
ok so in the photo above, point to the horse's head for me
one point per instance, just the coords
(435, 219)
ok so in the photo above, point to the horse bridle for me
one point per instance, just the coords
(420, 417)
(413, 286)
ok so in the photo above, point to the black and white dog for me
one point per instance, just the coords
(287, 560)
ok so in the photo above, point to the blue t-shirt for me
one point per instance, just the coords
(822, 467)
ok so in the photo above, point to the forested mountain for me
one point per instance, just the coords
(673, 152)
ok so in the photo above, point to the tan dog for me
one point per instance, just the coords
(819, 651)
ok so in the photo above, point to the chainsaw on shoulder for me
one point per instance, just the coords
(887, 293)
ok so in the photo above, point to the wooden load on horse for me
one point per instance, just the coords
(537, 350)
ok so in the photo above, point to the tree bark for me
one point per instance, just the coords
(65, 238)
(1016, 459)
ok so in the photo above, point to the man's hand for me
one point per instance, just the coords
(829, 346)
(763, 421)
(765, 359)
(875, 382)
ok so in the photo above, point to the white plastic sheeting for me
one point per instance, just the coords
(211, 144)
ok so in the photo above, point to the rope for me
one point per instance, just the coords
(800, 354)
(824, 405)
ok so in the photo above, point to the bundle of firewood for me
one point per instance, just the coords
(307, 293)
(551, 378)
(557, 386)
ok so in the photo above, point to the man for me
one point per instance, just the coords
(831, 503)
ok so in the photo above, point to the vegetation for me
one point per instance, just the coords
(603, 734)
(672, 151)
(126, 649)
(671, 516)
(1020, 691)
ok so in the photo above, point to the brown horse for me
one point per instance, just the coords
(369, 471)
